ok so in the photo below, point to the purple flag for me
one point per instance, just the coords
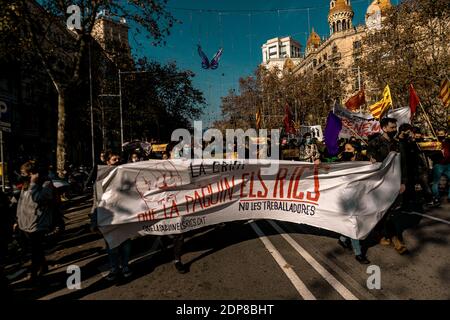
(334, 126)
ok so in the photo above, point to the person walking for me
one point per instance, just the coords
(377, 151)
(119, 256)
(35, 210)
(352, 152)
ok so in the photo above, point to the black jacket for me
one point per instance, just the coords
(380, 147)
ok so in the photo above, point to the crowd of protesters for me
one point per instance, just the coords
(38, 211)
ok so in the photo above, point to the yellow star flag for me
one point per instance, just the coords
(258, 119)
(379, 108)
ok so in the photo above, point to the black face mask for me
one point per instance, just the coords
(24, 179)
(392, 134)
(347, 156)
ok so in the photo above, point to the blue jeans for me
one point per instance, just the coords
(438, 171)
(116, 254)
(355, 244)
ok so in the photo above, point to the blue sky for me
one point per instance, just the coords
(241, 34)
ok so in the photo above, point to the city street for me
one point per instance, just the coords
(250, 260)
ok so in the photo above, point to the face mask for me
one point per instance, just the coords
(392, 134)
(24, 179)
(347, 156)
(308, 140)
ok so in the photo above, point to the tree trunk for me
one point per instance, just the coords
(61, 141)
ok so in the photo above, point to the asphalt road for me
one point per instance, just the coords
(266, 260)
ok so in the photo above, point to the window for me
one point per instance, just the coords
(356, 44)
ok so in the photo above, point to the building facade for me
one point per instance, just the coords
(28, 94)
(340, 52)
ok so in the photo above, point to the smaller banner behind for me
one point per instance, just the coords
(364, 124)
(175, 196)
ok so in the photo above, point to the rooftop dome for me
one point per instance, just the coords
(340, 6)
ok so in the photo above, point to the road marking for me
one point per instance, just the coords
(293, 277)
(427, 216)
(339, 287)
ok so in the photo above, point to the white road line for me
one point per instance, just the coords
(293, 277)
(427, 216)
(339, 287)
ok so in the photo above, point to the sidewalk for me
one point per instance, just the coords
(76, 246)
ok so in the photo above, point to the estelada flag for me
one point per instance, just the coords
(413, 99)
(444, 92)
(356, 101)
(379, 108)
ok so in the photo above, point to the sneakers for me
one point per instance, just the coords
(399, 246)
(112, 275)
(362, 259)
(385, 241)
(126, 272)
(181, 268)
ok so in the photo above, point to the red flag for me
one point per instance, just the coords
(356, 101)
(288, 121)
(413, 99)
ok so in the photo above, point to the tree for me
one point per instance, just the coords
(413, 47)
(42, 29)
(310, 97)
(170, 100)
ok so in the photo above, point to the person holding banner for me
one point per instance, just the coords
(178, 239)
(377, 151)
(123, 251)
(352, 153)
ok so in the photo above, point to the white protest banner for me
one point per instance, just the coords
(364, 124)
(173, 196)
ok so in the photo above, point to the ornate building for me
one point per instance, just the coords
(339, 53)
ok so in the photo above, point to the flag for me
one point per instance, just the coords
(356, 101)
(378, 109)
(413, 99)
(258, 119)
(444, 93)
(288, 121)
(332, 130)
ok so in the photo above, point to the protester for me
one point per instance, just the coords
(35, 210)
(424, 170)
(308, 149)
(134, 157)
(442, 165)
(352, 153)
(119, 257)
(178, 239)
(414, 167)
(93, 174)
(377, 151)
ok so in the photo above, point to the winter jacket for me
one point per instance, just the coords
(35, 208)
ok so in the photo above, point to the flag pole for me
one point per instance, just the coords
(355, 133)
(428, 120)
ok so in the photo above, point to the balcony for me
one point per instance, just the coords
(335, 56)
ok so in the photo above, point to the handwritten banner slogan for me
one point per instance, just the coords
(162, 197)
